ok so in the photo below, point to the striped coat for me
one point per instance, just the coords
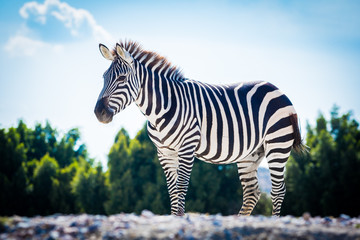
(220, 124)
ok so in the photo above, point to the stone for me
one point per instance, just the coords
(306, 216)
(192, 226)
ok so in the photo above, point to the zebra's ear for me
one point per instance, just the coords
(106, 52)
(123, 54)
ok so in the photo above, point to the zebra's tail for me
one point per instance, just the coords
(298, 145)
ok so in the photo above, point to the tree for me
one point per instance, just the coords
(120, 179)
(12, 173)
(66, 201)
(214, 189)
(136, 178)
(137, 181)
(264, 206)
(37, 172)
(90, 189)
(323, 181)
(67, 151)
(45, 184)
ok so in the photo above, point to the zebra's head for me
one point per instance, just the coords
(119, 89)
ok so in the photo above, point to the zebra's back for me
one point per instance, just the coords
(235, 119)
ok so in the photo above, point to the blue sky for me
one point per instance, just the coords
(51, 68)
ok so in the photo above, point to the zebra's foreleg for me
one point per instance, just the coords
(184, 171)
(171, 179)
(247, 169)
(170, 167)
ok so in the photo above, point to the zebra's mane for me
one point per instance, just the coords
(143, 57)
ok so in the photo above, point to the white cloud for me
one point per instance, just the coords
(79, 22)
(21, 45)
(74, 19)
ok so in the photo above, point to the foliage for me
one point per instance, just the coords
(214, 189)
(326, 180)
(44, 173)
(3, 222)
(39, 173)
(264, 206)
(90, 189)
(135, 176)
(137, 182)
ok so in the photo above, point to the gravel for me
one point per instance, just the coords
(192, 226)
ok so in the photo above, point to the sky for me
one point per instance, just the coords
(51, 68)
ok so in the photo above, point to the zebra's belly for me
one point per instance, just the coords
(225, 151)
(215, 161)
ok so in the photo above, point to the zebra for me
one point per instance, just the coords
(220, 124)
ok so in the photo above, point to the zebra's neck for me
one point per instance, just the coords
(154, 89)
(156, 94)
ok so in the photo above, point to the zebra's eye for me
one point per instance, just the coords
(121, 78)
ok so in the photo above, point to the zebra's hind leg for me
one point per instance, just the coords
(277, 152)
(247, 169)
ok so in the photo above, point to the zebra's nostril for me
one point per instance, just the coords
(102, 111)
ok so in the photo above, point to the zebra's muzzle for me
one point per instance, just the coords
(102, 110)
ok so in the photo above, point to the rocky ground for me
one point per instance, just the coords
(192, 226)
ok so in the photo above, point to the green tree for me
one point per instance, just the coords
(214, 189)
(144, 165)
(37, 172)
(90, 190)
(136, 179)
(137, 182)
(67, 150)
(12, 173)
(64, 191)
(322, 182)
(121, 187)
(45, 184)
(264, 206)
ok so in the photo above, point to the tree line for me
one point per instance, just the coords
(42, 173)
(326, 180)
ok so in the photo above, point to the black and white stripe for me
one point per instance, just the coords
(220, 124)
